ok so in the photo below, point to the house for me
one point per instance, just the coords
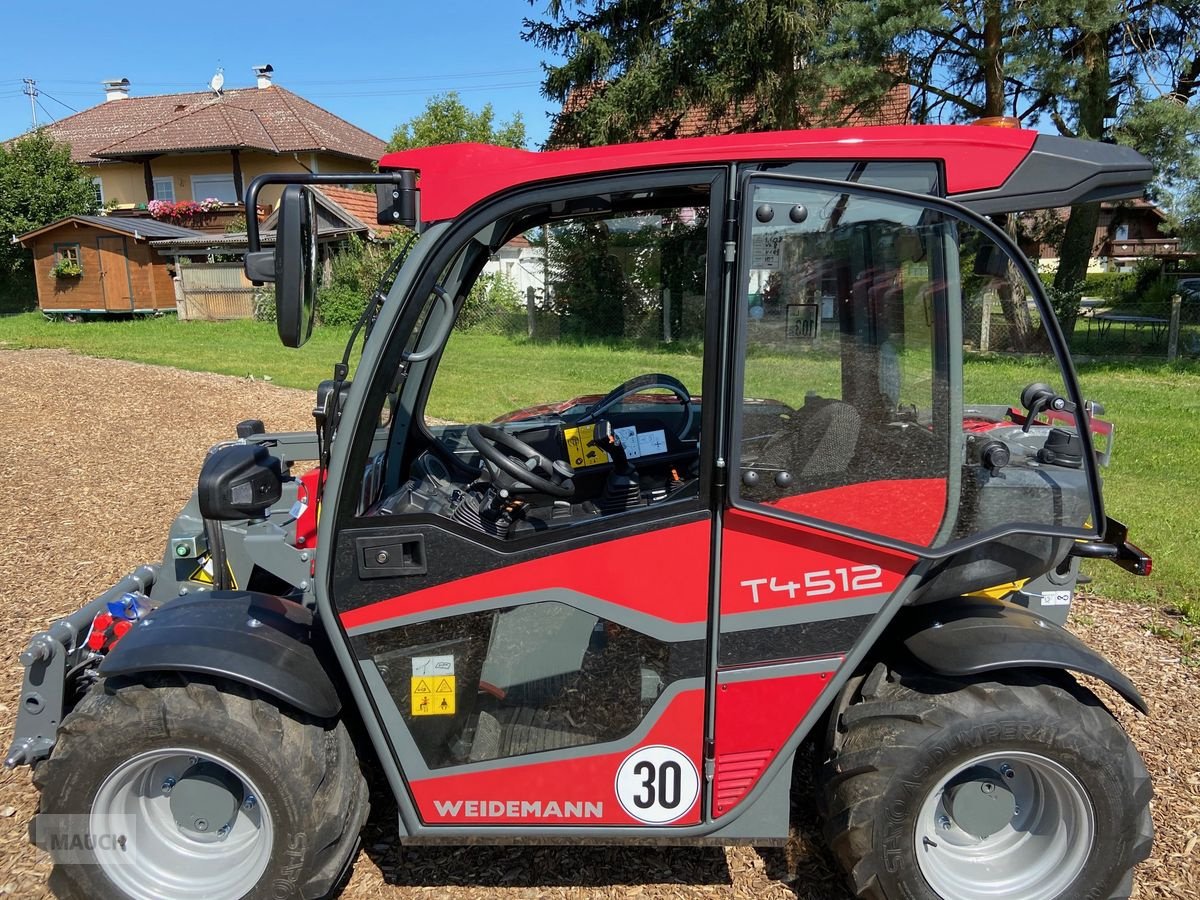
(102, 264)
(1128, 231)
(208, 144)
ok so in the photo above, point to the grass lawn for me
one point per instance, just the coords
(1153, 484)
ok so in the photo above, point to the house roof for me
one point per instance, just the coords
(698, 121)
(140, 229)
(272, 120)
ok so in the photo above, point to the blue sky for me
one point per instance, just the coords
(372, 63)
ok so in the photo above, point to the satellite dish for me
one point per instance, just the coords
(218, 81)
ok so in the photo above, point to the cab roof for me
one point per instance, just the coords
(979, 163)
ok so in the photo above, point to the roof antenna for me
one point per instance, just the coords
(218, 81)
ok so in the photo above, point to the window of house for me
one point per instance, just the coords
(1122, 232)
(98, 188)
(219, 186)
(164, 189)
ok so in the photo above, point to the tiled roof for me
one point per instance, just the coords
(273, 120)
(140, 228)
(359, 204)
(697, 122)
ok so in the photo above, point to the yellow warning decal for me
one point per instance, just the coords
(204, 571)
(433, 695)
(580, 449)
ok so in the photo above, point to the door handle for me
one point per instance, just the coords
(387, 556)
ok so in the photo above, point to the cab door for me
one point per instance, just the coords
(538, 661)
(854, 461)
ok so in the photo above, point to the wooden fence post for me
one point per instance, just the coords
(531, 309)
(1173, 329)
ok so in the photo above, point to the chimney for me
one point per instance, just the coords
(116, 89)
(263, 74)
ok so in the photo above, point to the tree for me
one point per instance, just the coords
(634, 69)
(38, 185)
(1091, 69)
(447, 120)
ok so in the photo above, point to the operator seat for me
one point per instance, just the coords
(816, 445)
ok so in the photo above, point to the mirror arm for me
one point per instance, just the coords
(260, 264)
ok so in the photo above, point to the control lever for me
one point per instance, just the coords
(622, 489)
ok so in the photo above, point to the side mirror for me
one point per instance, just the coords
(292, 265)
(992, 261)
(296, 265)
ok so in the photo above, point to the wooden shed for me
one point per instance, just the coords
(118, 271)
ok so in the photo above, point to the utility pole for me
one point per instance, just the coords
(31, 91)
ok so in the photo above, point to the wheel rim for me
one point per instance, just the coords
(146, 852)
(1035, 855)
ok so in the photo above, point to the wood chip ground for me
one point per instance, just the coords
(96, 458)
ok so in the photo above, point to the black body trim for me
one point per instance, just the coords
(1061, 171)
(972, 635)
(213, 634)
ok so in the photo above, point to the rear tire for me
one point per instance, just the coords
(903, 739)
(294, 839)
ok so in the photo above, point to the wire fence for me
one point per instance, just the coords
(1167, 327)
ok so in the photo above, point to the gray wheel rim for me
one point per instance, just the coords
(156, 858)
(1036, 856)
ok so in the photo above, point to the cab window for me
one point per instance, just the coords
(569, 388)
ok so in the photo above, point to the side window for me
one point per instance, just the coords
(859, 406)
(569, 388)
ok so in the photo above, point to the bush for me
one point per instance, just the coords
(264, 304)
(351, 274)
(494, 306)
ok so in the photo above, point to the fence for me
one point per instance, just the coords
(215, 291)
(1166, 328)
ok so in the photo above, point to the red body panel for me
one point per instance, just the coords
(662, 573)
(762, 549)
(909, 509)
(456, 176)
(494, 796)
(306, 525)
(755, 719)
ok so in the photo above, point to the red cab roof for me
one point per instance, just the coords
(456, 176)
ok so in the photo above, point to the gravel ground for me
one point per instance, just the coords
(97, 456)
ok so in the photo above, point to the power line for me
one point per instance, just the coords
(421, 91)
(43, 109)
(59, 102)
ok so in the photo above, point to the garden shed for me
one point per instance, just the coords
(103, 265)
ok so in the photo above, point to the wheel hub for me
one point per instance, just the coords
(205, 799)
(979, 802)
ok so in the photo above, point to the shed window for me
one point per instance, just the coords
(164, 189)
(67, 251)
(99, 191)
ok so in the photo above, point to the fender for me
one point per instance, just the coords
(971, 635)
(255, 639)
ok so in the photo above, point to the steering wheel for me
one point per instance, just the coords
(636, 386)
(521, 461)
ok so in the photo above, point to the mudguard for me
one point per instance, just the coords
(255, 639)
(971, 635)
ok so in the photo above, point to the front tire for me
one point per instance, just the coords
(180, 788)
(1018, 788)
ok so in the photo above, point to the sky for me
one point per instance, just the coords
(374, 64)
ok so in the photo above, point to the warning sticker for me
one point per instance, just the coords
(580, 449)
(638, 444)
(1056, 598)
(204, 571)
(432, 665)
(433, 695)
